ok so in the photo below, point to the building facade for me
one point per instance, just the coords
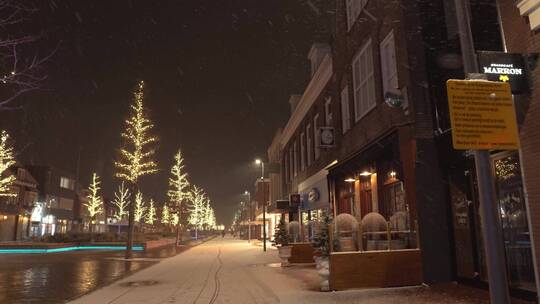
(373, 128)
(15, 211)
(55, 209)
(520, 22)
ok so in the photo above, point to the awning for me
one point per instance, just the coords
(366, 155)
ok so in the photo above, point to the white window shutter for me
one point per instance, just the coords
(389, 64)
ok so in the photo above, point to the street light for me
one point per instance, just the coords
(260, 162)
(249, 214)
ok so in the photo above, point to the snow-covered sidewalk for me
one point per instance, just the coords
(233, 271)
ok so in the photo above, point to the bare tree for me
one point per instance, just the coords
(20, 73)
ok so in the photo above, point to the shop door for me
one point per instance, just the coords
(469, 251)
(465, 224)
(366, 204)
(514, 223)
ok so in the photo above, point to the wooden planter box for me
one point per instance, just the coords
(301, 253)
(374, 269)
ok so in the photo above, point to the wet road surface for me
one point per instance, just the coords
(59, 277)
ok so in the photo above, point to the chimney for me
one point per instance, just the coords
(316, 55)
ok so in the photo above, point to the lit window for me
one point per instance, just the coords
(345, 112)
(364, 81)
(67, 183)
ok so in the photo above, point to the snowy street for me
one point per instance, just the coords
(233, 271)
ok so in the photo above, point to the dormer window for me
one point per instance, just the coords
(354, 8)
(316, 55)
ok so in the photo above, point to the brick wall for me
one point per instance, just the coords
(520, 39)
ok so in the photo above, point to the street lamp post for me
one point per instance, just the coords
(249, 215)
(259, 162)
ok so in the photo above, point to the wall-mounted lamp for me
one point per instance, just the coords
(366, 173)
(350, 180)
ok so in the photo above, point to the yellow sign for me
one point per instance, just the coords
(482, 115)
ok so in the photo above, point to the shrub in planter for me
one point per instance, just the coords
(282, 240)
(321, 243)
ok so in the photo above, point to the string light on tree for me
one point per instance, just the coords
(165, 215)
(140, 209)
(175, 219)
(150, 217)
(178, 192)
(178, 182)
(6, 160)
(121, 201)
(197, 212)
(137, 155)
(94, 205)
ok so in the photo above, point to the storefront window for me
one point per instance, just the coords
(513, 215)
(378, 201)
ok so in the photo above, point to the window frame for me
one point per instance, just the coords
(367, 81)
(345, 110)
(353, 9)
(302, 151)
(309, 144)
(317, 150)
(295, 155)
(389, 68)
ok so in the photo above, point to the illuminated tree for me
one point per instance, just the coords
(165, 215)
(94, 205)
(121, 201)
(136, 155)
(175, 219)
(140, 209)
(209, 219)
(197, 212)
(178, 192)
(150, 217)
(178, 182)
(6, 160)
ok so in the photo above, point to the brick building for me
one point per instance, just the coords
(373, 124)
(520, 25)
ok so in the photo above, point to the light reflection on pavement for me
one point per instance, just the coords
(58, 277)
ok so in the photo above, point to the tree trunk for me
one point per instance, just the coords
(131, 225)
(177, 234)
(92, 229)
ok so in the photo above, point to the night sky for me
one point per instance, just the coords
(218, 77)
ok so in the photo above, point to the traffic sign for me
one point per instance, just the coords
(482, 115)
